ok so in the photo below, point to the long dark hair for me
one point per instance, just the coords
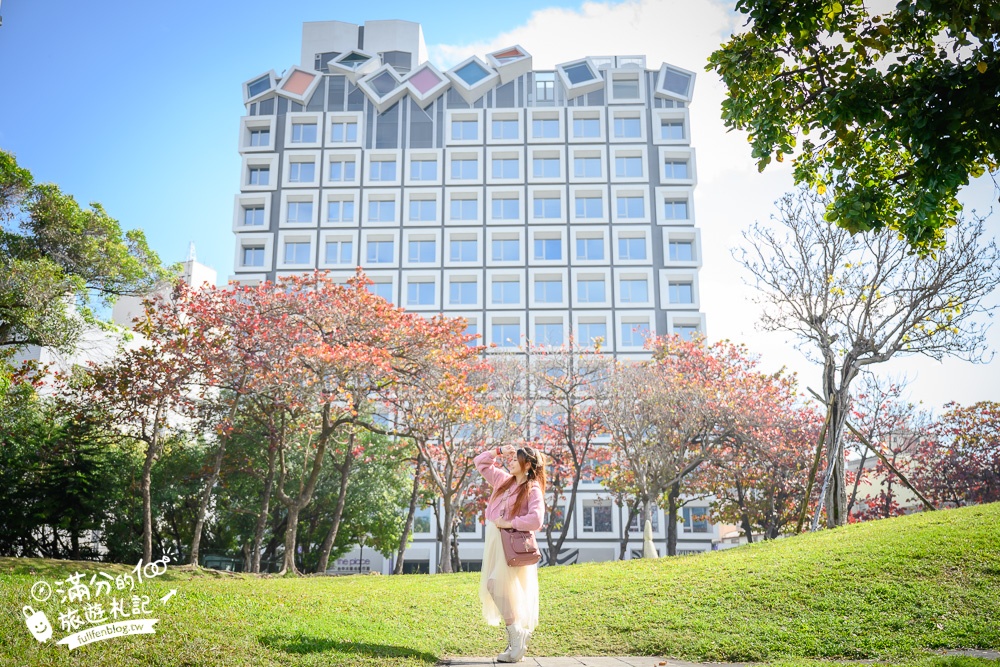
(532, 461)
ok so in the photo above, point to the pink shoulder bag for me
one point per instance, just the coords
(519, 546)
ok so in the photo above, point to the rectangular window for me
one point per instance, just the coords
(462, 292)
(681, 251)
(505, 129)
(383, 290)
(465, 130)
(546, 167)
(635, 290)
(591, 290)
(260, 137)
(675, 209)
(590, 331)
(463, 250)
(586, 127)
(505, 167)
(507, 335)
(506, 250)
(625, 88)
(545, 87)
(634, 334)
(253, 216)
(547, 207)
(627, 127)
(382, 210)
(695, 519)
(506, 208)
(464, 209)
(259, 175)
(253, 255)
(597, 518)
(631, 207)
(589, 249)
(303, 133)
(344, 133)
(423, 170)
(549, 334)
(382, 170)
(545, 128)
(548, 291)
(420, 293)
(507, 291)
(675, 169)
(632, 247)
(589, 208)
(465, 169)
(297, 252)
(686, 331)
(379, 252)
(654, 521)
(422, 251)
(671, 129)
(301, 172)
(681, 292)
(300, 211)
(423, 210)
(340, 211)
(339, 252)
(628, 167)
(342, 170)
(548, 249)
(587, 167)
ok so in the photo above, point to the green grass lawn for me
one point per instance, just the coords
(891, 590)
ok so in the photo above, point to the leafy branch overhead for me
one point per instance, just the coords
(54, 254)
(894, 110)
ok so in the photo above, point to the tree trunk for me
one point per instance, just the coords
(408, 525)
(741, 502)
(147, 503)
(445, 560)
(265, 503)
(295, 504)
(672, 495)
(206, 497)
(338, 512)
(456, 562)
(633, 509)
(291, 535)
(857, 481)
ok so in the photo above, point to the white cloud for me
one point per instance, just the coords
(730, 194)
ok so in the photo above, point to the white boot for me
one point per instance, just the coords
(513, 643)
(518, 650)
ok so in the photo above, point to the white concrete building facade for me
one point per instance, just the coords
(537, 204)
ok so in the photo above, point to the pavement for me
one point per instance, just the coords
(652, 661)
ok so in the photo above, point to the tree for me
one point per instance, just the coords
(55, 255)
(856, 301)
(759, 474)
(959, 464)
(566, 383)
(904, 103)
(145, 391)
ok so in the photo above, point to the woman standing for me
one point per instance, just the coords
(510, 593)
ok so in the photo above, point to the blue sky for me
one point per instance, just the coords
(137, 105)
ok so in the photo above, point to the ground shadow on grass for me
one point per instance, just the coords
(306, 644)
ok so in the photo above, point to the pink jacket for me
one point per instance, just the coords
(532, 512)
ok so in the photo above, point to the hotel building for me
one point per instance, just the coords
(535, 203)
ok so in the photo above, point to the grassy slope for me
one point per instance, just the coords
(888, 589)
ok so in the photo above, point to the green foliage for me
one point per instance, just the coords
(893, 590)
(58, 261)
(904, 104)
(63, 468)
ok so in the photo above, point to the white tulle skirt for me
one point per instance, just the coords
(507, 593)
